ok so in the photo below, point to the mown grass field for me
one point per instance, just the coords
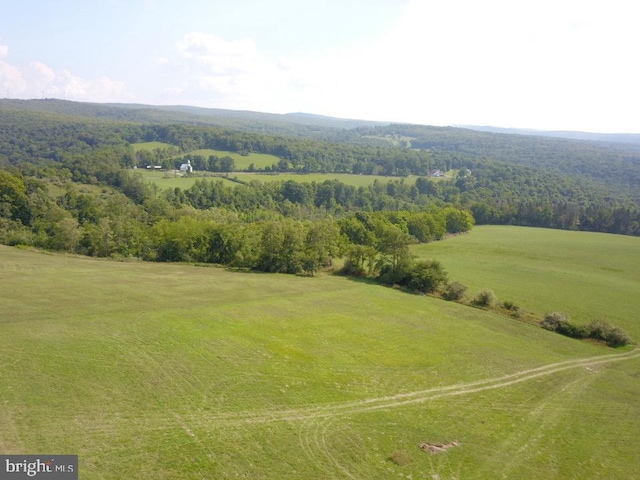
(346, 178)
(586, 275)
(170, 179)
(242, 162)
(150, 146)
(177, 371)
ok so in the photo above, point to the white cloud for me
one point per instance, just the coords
(102, 89)
(42, 74)
(37, 80)
(546, 64)
(227, 74)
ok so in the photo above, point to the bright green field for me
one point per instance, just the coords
(151, 146)
(348, 179)
(166, 179)
(586, 275)
(169, 179)
(242, 162)
(153, 371)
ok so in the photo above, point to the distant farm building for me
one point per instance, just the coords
(186, 167)
(436, 173)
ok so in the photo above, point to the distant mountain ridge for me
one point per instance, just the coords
(301, 124)
(295, 123)
(630, 138)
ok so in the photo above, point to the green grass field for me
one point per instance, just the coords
(170, 179)
(586, 275)
(149, 370)
(346, 178)
(150, 146)
(242, 162)
(167, 179)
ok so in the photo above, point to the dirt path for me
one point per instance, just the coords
(393, 401)
(314, 422)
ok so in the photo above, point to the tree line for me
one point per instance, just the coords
(274, 234)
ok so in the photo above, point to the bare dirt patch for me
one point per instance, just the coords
(436, 448)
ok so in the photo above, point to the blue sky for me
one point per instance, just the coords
(546, 64)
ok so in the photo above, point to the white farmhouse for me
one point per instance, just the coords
(186, 167)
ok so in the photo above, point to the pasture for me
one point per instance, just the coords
(149, 370)
(151, 146)
(346, 178)
(584, 274)
(242, 162)
(172, 179)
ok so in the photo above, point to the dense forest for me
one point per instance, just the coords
(67, 182)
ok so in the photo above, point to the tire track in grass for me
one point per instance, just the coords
(144, 421)
(316, 424)
(401, 399)
(526, 440)
(317, 420)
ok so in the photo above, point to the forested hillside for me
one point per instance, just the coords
(79, 167)
(614, 165)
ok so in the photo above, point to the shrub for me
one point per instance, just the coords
(618, 337)
(601, 329)
(569, 329)
(427, 276)
(400, 458)
(598, 329)
(554, 320)
(485, 298)
(352, 269)
(398, 274)
(509, 305)
(454, 291)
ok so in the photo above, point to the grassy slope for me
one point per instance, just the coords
(170, 179)
(166, 179)
(176, 371)
(587, 275)
(150, 146)
(242, 162)
(346, 178)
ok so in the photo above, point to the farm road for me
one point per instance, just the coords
(393, 401)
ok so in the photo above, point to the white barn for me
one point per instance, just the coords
(186, 167)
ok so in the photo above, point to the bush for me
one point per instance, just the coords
(509, 305)
(454, 291)
(485, 298)
(398, 274)
(554, 320)
(427, 276)
(424, 276)
(400, 458)
(352, 269)
(569, 329)
(618, 337)
(598, 329)
(613, 336)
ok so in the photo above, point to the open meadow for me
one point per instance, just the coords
(151, 146)
(346, 178)
(242, 162)
(150, 370)
(171, 179)
(586, 275)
